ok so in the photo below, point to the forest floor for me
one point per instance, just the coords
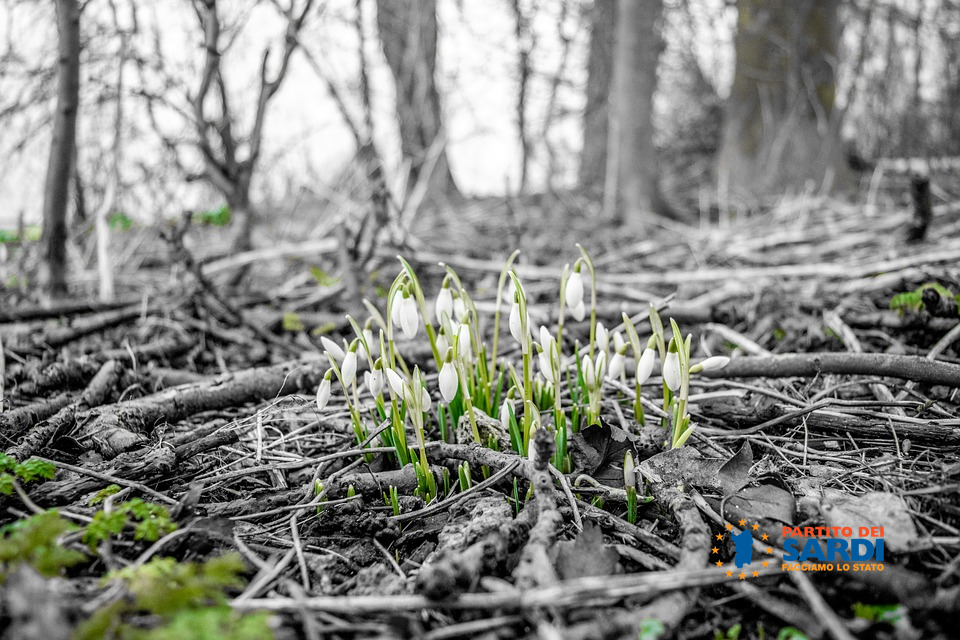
(201, 492)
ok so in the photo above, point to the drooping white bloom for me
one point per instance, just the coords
(579, 311)
(714, 363)
(395, 308)
(323, 393)
(464, 348)
(573, 293)
(448, 382)
(516, 326)
(618, 363)
(546, 340)
(374, 380)
(589, 372)
(671, 371)
(505, 416)
(332, 348)
(442, 343)
(348, 368)
(603, 338)
(546, 368)
(409, 318)
(395, 381)
(444, 304)
(425, 400)
(601, 366)
(645, 366)
(460, 308)
(618, 341)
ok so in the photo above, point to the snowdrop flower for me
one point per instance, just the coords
(505, 416)
(601, 366)
(516, 325)
(395, 381)
(578, 311)
(546, 340)
(442, 343)
(618, 341)
(645, 365)
(603, 338)
(629, 471)
(618, 363)
(323, 392)
(713, 363)
(374, 379)
(396, 307)
(460, 308)
(573, 293)
(348, 368)
(335, 350)
(425, 400)
(589, 372)
(448, 382)
(464, 347)
(409, 317)
(444, 304)
(671, 371)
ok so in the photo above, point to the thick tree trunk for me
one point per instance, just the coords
(593, 156)
(636, 52)
(781, 129)
(408, 34)
(56, 193)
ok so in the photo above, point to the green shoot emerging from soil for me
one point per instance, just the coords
(538, 381)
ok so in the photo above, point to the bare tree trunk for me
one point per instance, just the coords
(593, 155)
(781, 129)
(636, 53)
(408, 34)
(56, 193)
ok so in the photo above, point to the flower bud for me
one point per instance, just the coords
(448, 382)
(409, 317)
(645, 365)
(629, 471)
(464, 348)
(396, 306)
(425, 400)
(323, 392)
(516, 325)
(618, 363)
(603, 338)
(589, 372)
(444, 304)
(671, 371)
(348, 368)
(713, 363)
(332, 348)
(574, 290)
(578, 311)
(395, 381)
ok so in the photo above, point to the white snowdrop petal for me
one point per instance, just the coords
(396, 382)
(574, 290)
(578, 311)
(323, 394)
(603, 340)
(448, 382)
(425, 400)
(444, 304)
(332, 348)
(409, 318)
(645, 366)
(671, 371)
(714, 363)
(516, 328)
(617, 365)
(348, 369)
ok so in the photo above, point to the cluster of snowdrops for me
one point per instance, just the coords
(562, 393)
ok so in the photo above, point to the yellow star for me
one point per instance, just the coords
(719, 564)
(719, 536)
(742, 522)
(764, 537)
(714, 550)
(766, 562)
(755, 526)
(729, 526)
(756, 574)
(729, 573)
(769, 549)
(743, 576)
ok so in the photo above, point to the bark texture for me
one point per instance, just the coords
(408, 35)
(593, 155)
(56, 193)
(781, 129)
(632, 153)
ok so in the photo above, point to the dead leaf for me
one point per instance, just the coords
(599, 450)
(762, 501)
(735, 473)
(873, 509)
(586, 555)
(684, 465)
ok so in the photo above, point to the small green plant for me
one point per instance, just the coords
(733, 633)
(188, 599)
(630, 484)
(149, 521)
(650, 630)
(119, 221)
(28, 471)
(292, 322)
(877, 612)
(791, 633)
(36, 541)
(214, 218)
(913, 300)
